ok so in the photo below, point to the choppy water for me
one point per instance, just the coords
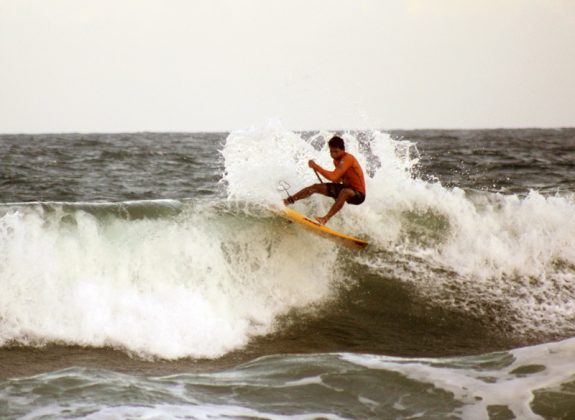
(143, 275)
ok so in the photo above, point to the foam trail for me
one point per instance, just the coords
(495, 380)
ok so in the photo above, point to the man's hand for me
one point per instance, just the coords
(312, 164)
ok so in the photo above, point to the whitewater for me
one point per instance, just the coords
(163, 249)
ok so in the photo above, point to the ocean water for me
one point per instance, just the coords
(144, 276)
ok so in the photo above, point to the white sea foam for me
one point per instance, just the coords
(197, 285)
(479, 386)
(184, 411)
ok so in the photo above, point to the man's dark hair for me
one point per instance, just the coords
(336, 143)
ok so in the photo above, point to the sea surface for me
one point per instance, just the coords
(145, 275)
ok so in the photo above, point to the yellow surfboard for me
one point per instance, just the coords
(315, 227)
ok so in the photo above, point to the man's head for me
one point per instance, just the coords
(336, 147)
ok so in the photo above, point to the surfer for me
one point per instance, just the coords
(348, 183)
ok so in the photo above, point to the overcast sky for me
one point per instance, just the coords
(219, 65)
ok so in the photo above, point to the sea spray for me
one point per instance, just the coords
(507, 258)
(198, 284)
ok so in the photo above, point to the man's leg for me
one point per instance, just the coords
(344, 195)
(306, 192)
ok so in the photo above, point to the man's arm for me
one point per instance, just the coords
(337, 173)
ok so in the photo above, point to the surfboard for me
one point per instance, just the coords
(318, 229)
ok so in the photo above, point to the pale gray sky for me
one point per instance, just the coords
(193, 65)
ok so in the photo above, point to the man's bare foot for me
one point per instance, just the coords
(322, 220)
(288, 200)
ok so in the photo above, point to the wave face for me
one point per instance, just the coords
(204, 276)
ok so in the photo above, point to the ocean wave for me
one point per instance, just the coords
(506, 258)
(188, 281)
(191, 278)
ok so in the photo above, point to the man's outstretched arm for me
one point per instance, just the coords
(337, 173)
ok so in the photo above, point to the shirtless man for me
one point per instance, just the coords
(348, 183)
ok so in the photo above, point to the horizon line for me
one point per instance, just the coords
(41, 133)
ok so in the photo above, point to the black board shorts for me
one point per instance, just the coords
(334, 189)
